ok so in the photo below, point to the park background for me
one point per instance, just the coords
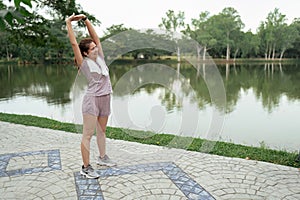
(260, 68)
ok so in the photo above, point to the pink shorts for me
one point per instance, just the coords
(96, 105)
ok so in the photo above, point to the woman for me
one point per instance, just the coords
(89, 59)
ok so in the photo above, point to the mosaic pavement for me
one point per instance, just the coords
(37, 163)
(18, 164)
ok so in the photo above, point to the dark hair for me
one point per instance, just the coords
(84, 46)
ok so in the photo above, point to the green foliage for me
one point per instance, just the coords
(11, 15)
(133, 42)
(221, 35)
(113, 30)
(173, 21)
(42, 122)
(294, 51)
(276, 36)
(26, 2)
(34, 29)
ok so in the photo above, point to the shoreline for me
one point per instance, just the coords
(166, 60)
(220, 148)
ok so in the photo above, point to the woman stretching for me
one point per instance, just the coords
(89, 59)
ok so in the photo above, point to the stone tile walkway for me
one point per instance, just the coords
(37, 163)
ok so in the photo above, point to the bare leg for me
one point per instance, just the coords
(101, 135)
(89, 125)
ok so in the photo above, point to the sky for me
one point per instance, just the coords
(139, 14)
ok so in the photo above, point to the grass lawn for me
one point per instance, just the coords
(195, 144)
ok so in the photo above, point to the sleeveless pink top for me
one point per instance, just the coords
(98, 84)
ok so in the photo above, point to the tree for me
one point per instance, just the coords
(271, 33)
(288, 35)
(121, 41)
(7, 48)
(200, 33)
(294, 51)
(223, 25)
(171, 23)
(231, 23)
(39, 25)
(237, 45)
(249, 45)
(11, 15)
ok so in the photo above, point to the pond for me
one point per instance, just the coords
(262, 100)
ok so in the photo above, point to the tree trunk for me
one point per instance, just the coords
(281, 54)
(227, 52)
(204, 71)
(7, 54)
(273, 52)
(269, 53)
(235, 53)
(204, 52)
(266, 53)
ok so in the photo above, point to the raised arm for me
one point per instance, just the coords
(73, 41)
(94, 35)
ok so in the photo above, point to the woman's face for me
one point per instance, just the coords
(93, 51)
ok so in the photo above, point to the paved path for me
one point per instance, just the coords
(37, 163)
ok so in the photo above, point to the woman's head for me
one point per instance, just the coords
(88, 49)
(84, 46)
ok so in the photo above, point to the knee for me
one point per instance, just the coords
(101, 133)
(87, 137)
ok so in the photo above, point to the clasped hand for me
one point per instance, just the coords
(74, 17)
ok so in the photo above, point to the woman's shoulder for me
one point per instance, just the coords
(84, 64)
(85, 61)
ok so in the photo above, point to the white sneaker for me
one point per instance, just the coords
(106, 161)
(89, 172)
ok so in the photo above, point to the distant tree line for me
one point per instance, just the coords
(29, 36)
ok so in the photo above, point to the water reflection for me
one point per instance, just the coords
(51, 83)
(268, 81)
(262, 99)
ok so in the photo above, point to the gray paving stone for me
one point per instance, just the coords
(37, 163)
